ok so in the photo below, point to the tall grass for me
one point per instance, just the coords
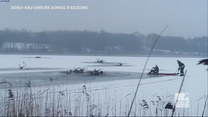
(82, 100)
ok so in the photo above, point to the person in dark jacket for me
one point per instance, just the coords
(181, 67)
(155, 70)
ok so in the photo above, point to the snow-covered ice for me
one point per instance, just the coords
(113, 97)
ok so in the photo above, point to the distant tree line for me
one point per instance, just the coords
(100, 43)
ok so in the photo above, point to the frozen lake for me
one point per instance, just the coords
(105, 97)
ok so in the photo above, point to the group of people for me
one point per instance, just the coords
(181, 66)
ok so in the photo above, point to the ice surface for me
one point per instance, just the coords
(114, 96)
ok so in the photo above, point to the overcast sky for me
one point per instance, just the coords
(187, 18)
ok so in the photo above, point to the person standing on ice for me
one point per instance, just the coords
(181, 67)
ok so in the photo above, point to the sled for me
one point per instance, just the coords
(165, 74)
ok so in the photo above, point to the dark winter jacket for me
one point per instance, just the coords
(181, 65)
